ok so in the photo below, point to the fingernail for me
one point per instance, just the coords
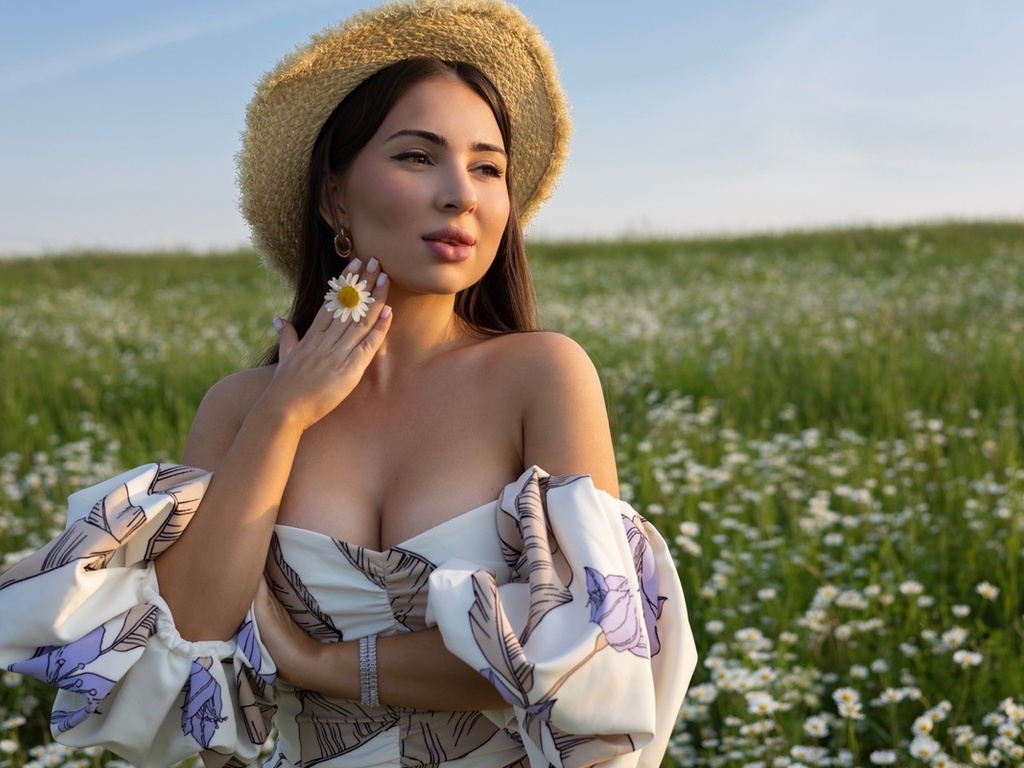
(278, 323)
(355, 264)
(381, 279)
(372, 264)
(385, 312)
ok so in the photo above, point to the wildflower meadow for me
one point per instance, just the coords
(829, 428)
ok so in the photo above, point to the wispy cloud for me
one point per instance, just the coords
(160, 33)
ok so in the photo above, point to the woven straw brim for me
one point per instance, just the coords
(294, 99)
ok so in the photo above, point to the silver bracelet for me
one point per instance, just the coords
(368, 671)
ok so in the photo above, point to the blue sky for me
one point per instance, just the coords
(120, 120)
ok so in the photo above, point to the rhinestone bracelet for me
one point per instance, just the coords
(368, 671)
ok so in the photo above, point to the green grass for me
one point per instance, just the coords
(827, 425)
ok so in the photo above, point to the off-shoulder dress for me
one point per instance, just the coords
(563, 597)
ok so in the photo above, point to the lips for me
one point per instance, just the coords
(450, 244)
(451, 236)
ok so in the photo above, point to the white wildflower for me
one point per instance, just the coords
(924, 747)
(1012, 710)
(967, 659)
(987, 590)
(922, 726)
(347, 297)
(846, 696)
(688, 528)
(850, 710)
(761, 703)
(715, 627)
(911, 588)
(954, 638)
(817, 727)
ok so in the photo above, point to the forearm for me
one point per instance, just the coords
(413, 670)
(209, 577)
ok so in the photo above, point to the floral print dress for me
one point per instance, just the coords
(560, 595)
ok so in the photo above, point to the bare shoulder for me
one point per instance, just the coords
(236, 392)
(557, 392)
(543, 358)
(221, 414)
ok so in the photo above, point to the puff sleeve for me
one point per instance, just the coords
(589, 642)
(84, 614)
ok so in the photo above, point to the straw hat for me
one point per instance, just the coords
(294, 99)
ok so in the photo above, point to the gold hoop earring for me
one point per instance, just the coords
(343, 243)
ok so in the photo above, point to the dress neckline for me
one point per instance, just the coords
(405, 544)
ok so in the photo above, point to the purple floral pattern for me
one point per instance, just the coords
(65, 666)
(646, 571)
(202, 712)
(246, 639)
(586, 562)
(257, 698)
(612, 608)
(116, 528)
(572, 592)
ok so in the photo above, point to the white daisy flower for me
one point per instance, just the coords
(850, 710)
(846, 696)
(816, 726)
(888, 696)
(987, 590)
(348, 298)
(924, 747)
(967, 658)
(761, 703)
(922, 726)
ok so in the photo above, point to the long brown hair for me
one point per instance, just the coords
(503, 300)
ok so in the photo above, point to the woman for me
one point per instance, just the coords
(369, 507)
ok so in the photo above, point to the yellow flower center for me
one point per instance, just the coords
(348, 297)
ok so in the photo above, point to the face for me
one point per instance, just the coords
(427, 195)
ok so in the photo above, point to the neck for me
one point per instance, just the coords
(423, 327)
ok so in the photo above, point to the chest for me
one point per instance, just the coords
(379, 470)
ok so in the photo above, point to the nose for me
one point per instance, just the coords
(458, 192)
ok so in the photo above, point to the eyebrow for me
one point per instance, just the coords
(441, 141)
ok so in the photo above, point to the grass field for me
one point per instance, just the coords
(829, 427)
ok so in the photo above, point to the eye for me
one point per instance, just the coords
(490, 169)
(414, 157)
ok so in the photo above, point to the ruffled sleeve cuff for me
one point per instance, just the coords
(84, 614)
(589, 643)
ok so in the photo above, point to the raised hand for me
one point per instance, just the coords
(319, 371)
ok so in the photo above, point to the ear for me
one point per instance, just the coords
(331, 208)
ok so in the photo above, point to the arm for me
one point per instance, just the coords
(442, 683)
(247, 431)
(565, 421)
